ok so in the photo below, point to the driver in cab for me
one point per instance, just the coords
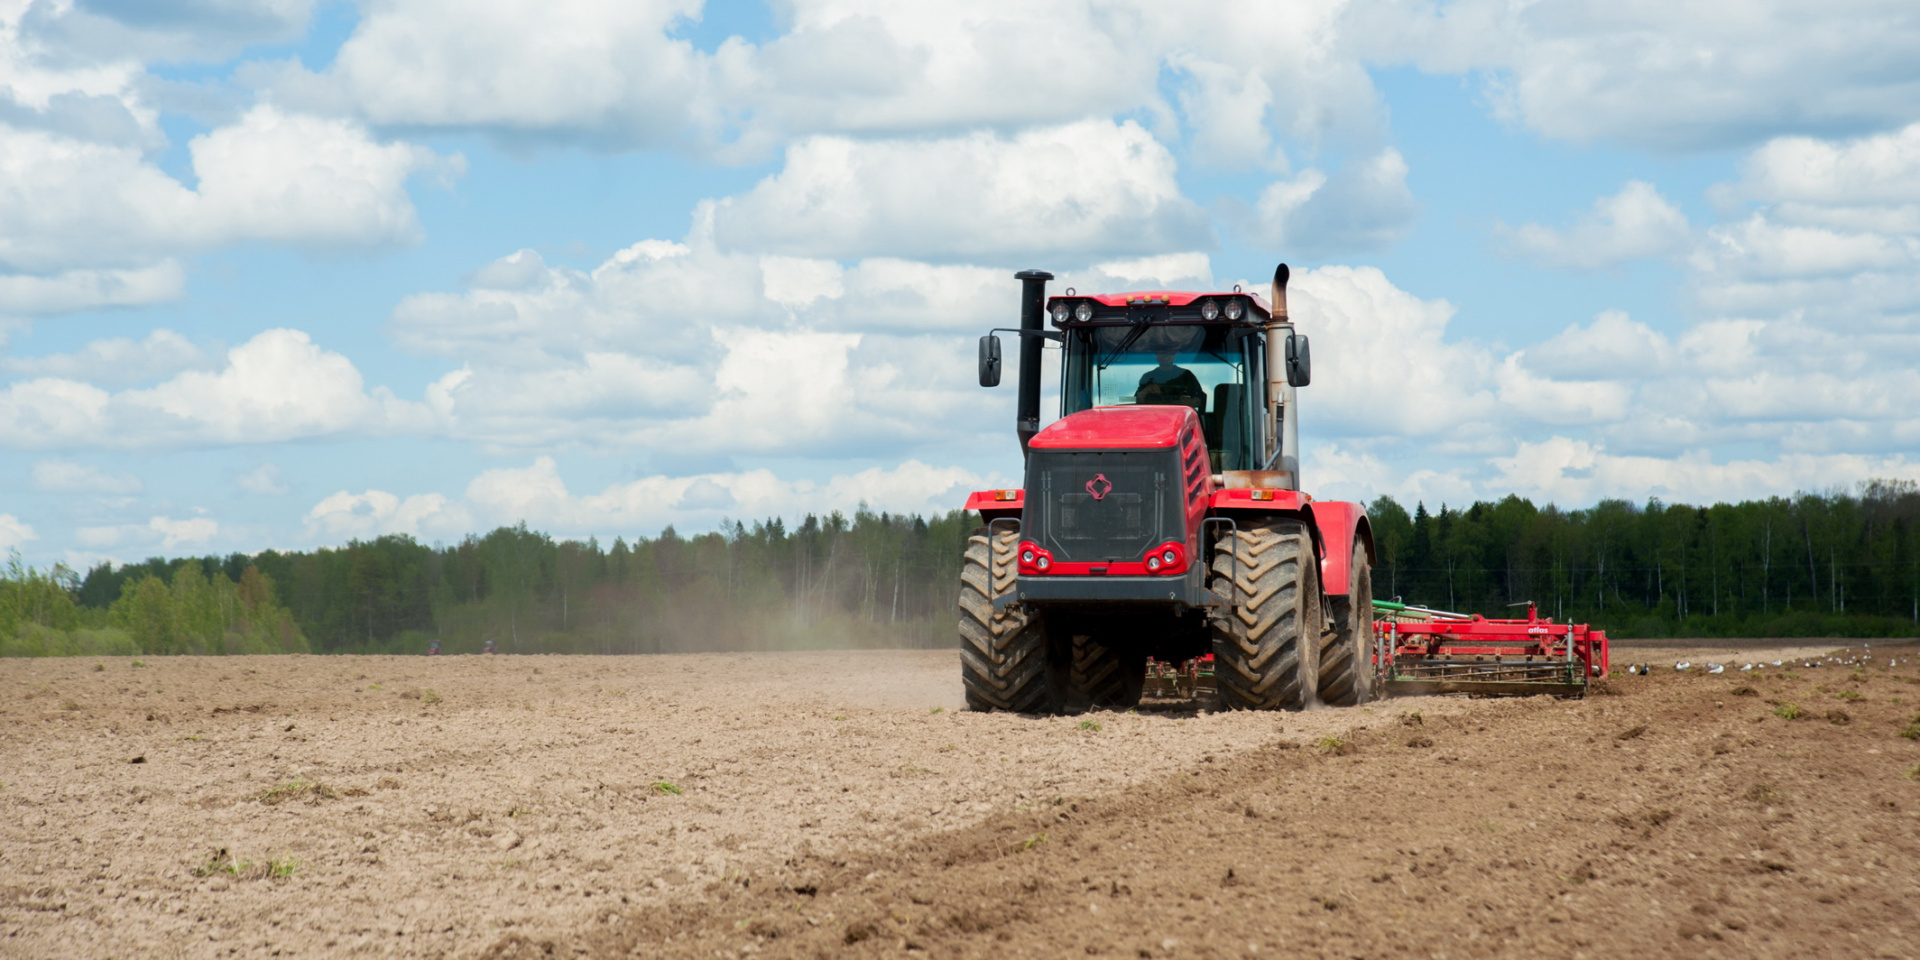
(1170, 383)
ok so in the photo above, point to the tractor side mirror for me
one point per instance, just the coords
(1299, 361)
(989, 361)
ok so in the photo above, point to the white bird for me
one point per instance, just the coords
(1682, 665)
(1746, 666)
(1716, 668)
(1776, 663)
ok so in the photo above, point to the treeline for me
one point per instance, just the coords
(188, 611)
(1839, 565)
(1835, 565)
(869, 580)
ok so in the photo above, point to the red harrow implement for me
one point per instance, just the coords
(1418, 650)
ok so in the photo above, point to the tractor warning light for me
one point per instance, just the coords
(1006, 494)
(1260, 494)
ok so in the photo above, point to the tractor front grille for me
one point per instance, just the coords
(1102, 506)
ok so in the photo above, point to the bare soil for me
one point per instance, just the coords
(842, 804)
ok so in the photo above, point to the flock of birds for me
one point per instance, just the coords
(1864, 658)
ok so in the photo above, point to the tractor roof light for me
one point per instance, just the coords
(1083, 312)
(1153, 563)
(1043, 562)
(1235, 308)
(1209, 309)
(1060, 312)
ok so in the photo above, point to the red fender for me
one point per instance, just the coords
(1338, 524)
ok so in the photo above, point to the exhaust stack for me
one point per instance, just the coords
(1284, 437)
(1033, 311)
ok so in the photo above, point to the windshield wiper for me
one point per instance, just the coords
(1125, 342)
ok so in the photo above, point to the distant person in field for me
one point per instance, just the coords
(489, 647)
(1170, 383)
(433, 647)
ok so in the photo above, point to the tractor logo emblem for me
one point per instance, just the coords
(1099, 486)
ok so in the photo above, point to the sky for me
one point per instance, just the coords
(288, 273)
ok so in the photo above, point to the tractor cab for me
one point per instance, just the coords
(1202, 351)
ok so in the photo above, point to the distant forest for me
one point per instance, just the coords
(1837, 565)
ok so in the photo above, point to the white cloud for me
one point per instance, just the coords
(70, 291)
(1635, 224)
(1243, 71)
(537, 495)
(1383, 363)
(1570, 471)
(686, 348)
(14, 532)
(1660, 75)
(267, 480)
(87, 224)
(116, 361)
(182, 30)
(1093, 189)
(176, 533)
(1362, 207)
(277, 386)
(346, 516)
(66, 476)
(568, 69)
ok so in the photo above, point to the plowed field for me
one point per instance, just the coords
(843, 804)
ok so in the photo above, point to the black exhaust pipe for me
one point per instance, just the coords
(1033, 314)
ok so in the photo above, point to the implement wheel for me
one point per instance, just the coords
(1346, 661)
(1003, 656)
(1266, 646)
(1106, 677)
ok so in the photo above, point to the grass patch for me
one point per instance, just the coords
(219, 862)
(936, 710)
(99, 668)
(1763, 793)
(664, 788)
(1412, 718)
(1913, 774)
(1333, 747)
(69, 704)
(1789, 711)
(1033, 841)
(138, 663)
(299, 788)
(1090, 725)
(1912, 732)
(1848, 695)
(429, 698)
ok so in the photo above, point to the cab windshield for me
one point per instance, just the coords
(1188, 365)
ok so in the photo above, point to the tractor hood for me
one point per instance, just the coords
(1118, 428)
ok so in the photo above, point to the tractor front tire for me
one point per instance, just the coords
(1004, 660)
(1346, 662)
(1106, 677)
(1266, 646)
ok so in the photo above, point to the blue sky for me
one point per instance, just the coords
(286, 273)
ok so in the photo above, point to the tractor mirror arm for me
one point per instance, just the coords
(1055, 335)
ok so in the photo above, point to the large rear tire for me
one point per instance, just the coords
(1106, 676)
(1003, 656)
(1266, 647)
(1346, 662)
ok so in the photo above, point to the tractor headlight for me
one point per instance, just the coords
(1153, 563)
(1044, 563)
(1168, 556)
(1209, 309)
(1027, 557)
(1060, 311)
(1083, 312)
(1234, 309)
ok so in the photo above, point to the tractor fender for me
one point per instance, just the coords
(1337, 526)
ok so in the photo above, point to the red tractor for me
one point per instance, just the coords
(1162, 515)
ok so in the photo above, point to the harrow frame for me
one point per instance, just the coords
(1418, 650)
